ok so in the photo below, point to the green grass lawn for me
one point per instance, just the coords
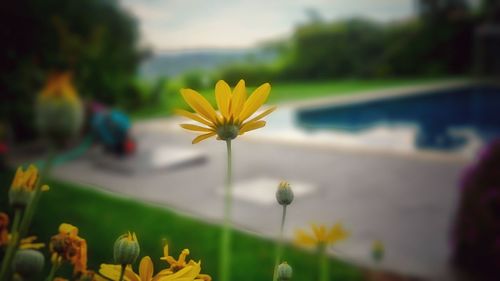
(282, 92)
(101, 217)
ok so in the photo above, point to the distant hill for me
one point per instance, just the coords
(172, 63)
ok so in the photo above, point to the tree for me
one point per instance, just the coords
(94, 39)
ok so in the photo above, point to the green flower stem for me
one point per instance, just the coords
(12, 246)
(279, 250)
(31, 208)
(324, 269)
(225, 242)
(122, 272)
(55, 266)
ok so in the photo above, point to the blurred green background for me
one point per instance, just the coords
(100, 43)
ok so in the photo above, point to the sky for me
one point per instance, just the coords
(198, 24)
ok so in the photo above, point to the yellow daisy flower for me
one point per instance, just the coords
(189, 272)
(321, 235)
(180, 263)
(68, 246)
(235, 109)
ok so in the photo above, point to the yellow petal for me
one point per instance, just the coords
(223, 97)
(146, 268)
(319, 232)
(163, 272)
(251, 126)
(34, 246)
(256, 100)
(263, 114)
(112, 271)
(336, 233)
(192, 116)
(199, 104)
(32, 176)
(196, 128)
(190, 271)
(18, 177)
(165, 251)
(302, 238)
(169, 259)
(98, 277)
(45, 187)
(130, 275)
(182, 256)
(69, 229)
(238, 99)
(203, 137)
(28, 239)
(203, 277)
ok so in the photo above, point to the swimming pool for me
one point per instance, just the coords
(443, 120)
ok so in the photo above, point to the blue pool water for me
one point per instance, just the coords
(436, 116)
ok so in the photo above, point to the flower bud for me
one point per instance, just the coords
(59, 111)
(19, 197)
(378, 251)
(28, 263)
(22, 187)
(126, 249)
(284, 272)
(284, 194)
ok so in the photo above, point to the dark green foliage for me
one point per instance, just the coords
(253, 74)
(439, 42)
(330, 50)
(94, 39)
(361, 48)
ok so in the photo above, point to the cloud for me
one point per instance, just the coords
(175, 24)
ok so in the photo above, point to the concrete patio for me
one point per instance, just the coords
(407, 201)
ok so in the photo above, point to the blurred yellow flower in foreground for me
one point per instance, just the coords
(234, 110)
(321, 235)
(179, 270)
(25, 179)
(23, 185)
(59, 110)
(60, 86)
(68, 246)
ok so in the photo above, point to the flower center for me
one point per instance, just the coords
(228, 131)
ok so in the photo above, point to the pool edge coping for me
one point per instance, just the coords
(360, 97)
